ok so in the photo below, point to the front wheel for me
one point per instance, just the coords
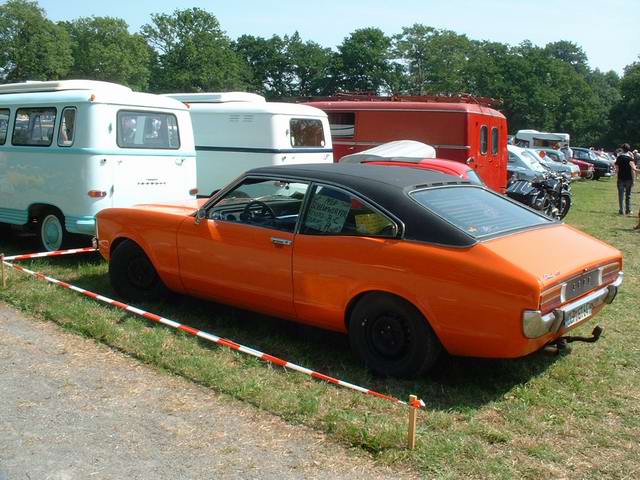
(391, 337)
(51, 231)
(133, 276)
(589, 175)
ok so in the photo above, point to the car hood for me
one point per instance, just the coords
(554, 253)
(185, 208)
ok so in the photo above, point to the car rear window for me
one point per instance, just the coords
(476, 211)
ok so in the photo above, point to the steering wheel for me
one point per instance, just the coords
(265, 211)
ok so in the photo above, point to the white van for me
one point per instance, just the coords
(237, 131)
(534, 138)
(70, 148)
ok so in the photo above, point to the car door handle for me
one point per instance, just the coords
(281, 241)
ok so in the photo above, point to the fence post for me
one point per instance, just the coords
(413, 418)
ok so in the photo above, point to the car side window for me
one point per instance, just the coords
(268, 203)
(333, 211)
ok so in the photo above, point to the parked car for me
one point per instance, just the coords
(601, 168)
(522, 166)
(556, 167)
(406, 261)
(556, 160)
(413, 154)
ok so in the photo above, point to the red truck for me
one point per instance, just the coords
(465, 129)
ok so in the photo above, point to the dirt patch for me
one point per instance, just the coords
(75, 409)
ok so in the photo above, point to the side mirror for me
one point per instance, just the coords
(201, 214)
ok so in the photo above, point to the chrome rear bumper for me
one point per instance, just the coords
(534, 324)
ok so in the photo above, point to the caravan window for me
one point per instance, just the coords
(4, 124)
(148, 130)
(34, 126)
(306, 132)
(342, 124)
(67, 127)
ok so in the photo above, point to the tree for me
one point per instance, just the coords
(311, 65)
(103, 49)
(33, 47)
(271, 69)
(363, 62)
(435, 61)
(192, 53)
(625, 120)
(569, 53)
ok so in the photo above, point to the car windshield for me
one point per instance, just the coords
(476, 211)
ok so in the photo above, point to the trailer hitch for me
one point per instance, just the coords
(562, 343)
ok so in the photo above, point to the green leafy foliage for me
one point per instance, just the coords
(193, 53)
(363, 62)
(33, 47)
(103, 49)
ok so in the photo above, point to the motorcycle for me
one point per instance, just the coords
(549, 194)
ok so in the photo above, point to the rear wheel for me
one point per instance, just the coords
(391, 337)
(132, 274)
(51, 232)
(588, 175)
(565, 205)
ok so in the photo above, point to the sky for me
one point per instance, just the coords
(608, 31)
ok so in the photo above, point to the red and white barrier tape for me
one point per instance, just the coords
(193, 331)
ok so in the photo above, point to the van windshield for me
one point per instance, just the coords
(476, 211)
(306, 132)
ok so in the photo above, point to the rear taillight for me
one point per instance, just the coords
(552, 298)
(97, 193)
(609, 273)
(193, 191)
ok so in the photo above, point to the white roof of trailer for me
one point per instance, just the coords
(398, 150)
(560, 137)
(267, 108)
(216, 97)
(81, 91)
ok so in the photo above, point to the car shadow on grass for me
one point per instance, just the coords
(455, 383)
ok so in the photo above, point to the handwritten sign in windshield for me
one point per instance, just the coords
(327, 214)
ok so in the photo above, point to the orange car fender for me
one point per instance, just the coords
(117, 227)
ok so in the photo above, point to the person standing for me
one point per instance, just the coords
(626, 172)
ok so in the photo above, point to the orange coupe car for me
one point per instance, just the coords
(406, 261)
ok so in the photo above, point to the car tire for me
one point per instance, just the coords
(133, 276)
(565, 206)
(588, 175)
(391, 337)
(52, 234)
(596, 176)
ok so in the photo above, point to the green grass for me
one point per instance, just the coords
(575, 415)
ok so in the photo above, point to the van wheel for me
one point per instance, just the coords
(132, 274)
(51, 231)
(391, 337)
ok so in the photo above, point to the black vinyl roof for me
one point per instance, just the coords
(387, 187)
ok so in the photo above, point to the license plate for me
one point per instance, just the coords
(578, 314)
(582, 284)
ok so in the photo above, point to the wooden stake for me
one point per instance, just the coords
(4, 274)
(413, 418)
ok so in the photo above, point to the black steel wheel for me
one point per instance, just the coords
(391, 337)
(132, 274)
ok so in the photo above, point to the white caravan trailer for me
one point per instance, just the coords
(235, 132)
(70, 148)
(534, 138)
